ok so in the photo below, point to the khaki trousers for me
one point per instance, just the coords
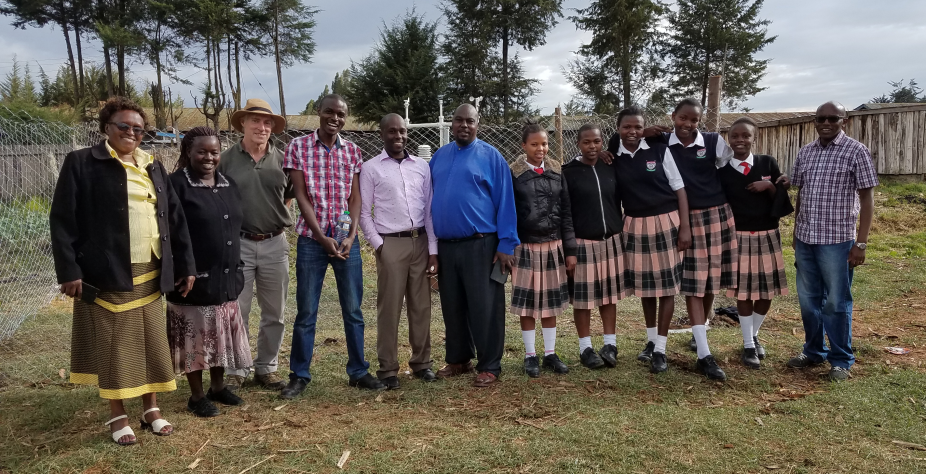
(401, 265)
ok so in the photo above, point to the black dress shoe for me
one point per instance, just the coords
(708, 366)
(657, 363)
(750, 358)
(591, 359)
(760, 349)
(426, 375)
(391, 383)
(202, 407)
(224, 396)
(647, 353)
(532, 366)
(693, 345)
(367, 382)
(293, 389)
(552, 362)
(608, 354)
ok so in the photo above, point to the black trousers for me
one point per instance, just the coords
(472, 303)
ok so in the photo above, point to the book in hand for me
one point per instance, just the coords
(88, 292)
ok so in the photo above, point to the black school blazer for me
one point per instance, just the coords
(90, 223)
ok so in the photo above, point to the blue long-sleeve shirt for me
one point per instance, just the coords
(473, 194)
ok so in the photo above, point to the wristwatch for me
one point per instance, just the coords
(861, 245)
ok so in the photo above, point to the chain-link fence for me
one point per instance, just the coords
(35, 321)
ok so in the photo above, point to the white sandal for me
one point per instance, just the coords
(155, 426)
(127, 431)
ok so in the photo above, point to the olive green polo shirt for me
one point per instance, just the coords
(264, 188)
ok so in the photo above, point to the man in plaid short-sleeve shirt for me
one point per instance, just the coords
(325, 170)
(836, 176)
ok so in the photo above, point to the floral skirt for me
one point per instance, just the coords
(203, 337)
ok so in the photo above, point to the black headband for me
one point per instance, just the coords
(258, 109)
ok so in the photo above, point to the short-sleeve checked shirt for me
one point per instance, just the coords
(829, 179)
(328, 177)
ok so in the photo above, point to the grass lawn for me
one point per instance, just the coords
(614, 420)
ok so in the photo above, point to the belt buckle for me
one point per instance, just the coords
(414, 233)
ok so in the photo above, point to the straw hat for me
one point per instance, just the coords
(258, 106)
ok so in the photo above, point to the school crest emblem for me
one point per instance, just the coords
(702, 152)
(650, 166)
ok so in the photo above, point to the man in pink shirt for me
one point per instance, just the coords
(395, 216)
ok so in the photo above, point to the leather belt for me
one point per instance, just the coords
(472, 237)
(259, 237)
(414, 233)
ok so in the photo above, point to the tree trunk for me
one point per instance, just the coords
(67, 39)
(276, 53)
(160, 118)
(505, 86)
(237, 77)
(706, 76)
(626, 66)
(235, 89)
(80, 63)
(120, 68)
(107, 58)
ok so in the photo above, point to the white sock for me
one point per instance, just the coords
(660, 344)
(549, 340)
(757, 320)
(700, 335)
(746, 328)
(651, 334)
(584, 343)
(529, 337)
(610, 339)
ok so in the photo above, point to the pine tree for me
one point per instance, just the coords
(902, 94)
(290, 33)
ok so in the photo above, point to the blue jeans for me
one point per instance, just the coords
(311, 265)
(824, 289)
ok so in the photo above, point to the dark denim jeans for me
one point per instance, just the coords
(824, 289)
(311, 265)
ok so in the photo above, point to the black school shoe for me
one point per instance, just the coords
(750, 358)
(552, 362)
(224, 396)
(590, 359)
(532, 366)
(367, 382)
(708, 366)
(391, 383)
(647, 353)
(202, 407)
(658, 363)
(425, 375)
(760, 349)
(608, 354)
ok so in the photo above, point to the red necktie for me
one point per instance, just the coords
(538, 170)
(745, 168)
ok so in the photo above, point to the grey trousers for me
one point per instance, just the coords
(266, 266)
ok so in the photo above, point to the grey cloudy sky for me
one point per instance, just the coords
(845, 50)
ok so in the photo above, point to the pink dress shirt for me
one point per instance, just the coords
(395, 197)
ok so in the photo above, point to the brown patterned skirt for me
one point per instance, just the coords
(203, 337)
(761, 266)
(538, 280)
(119, 342)
(654, 264)
(599, 277)
(711, 262)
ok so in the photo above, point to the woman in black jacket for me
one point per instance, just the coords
(539, 283)
(205, 327)
(119, 240)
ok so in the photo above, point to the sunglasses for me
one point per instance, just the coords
(124, 127)
(828, 118)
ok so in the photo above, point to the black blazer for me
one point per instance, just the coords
(90, 223)
(214, 217)
(542, 203)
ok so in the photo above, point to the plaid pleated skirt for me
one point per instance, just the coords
(761, 266)
(712, 261)
(539, 287)
(600, 278)
(651, 256)
(119, 342)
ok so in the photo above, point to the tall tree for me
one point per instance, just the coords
(902, 94)
(621, 63)
(507, 23)
(403, 65)
(116, 24)
(158, 40)
(711, 37)
(18, 86)
(290, 31)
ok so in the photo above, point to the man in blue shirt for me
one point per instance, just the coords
(476, 226)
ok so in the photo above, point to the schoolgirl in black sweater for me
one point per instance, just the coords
(749, 182)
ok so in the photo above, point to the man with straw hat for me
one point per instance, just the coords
(266, 191)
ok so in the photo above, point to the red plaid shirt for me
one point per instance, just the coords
(328, 177)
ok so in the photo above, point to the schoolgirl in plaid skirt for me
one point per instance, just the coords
(656, 228)
(539, 282)
(758, 201)
(598, 279)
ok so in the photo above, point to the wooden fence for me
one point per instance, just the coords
(896, 137)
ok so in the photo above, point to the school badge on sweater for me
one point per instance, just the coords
(650, 166)
(702, 152)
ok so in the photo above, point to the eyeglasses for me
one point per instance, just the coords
(124, 127)
(828, 118)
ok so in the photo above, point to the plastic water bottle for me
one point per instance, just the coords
(343, 227)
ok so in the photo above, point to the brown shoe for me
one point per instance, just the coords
(234, 382)
(485, 379)
(270, 381)
(453, 370)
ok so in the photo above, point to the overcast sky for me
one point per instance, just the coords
(845, 50)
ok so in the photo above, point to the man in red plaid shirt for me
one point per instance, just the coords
(325, 171)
